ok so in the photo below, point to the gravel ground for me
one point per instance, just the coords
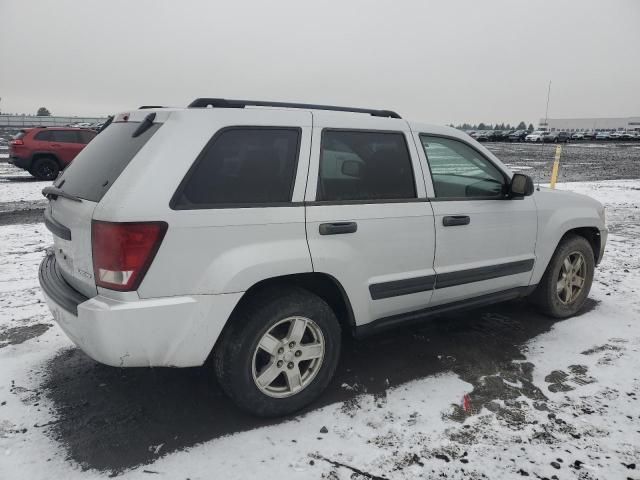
(579, 161)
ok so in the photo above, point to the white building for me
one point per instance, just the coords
(20, 121)
(589, 124)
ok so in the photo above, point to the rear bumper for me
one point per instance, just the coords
(20, 162)
(163, 332)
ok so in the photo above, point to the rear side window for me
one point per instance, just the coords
(242, 166)
(64, 136)
(19, 135)
(44, 136)
(364, 165)
(101, 162)
(86, 136)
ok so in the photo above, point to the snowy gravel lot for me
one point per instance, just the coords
(500, 392)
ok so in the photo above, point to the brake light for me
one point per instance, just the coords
(123, 252)
(16, 142)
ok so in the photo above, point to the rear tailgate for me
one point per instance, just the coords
(70, 223)
(82, 186)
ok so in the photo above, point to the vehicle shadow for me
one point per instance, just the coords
(22, 178)
(111, 419)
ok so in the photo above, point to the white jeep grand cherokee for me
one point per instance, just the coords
(261, 234)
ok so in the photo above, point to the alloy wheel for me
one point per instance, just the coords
(288, 357)
(571, 278)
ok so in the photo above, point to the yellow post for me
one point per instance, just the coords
(556, 166)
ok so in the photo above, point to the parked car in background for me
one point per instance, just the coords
(577, 136)
(626, 136)
(556, 137)
(589, 135)
(518, 136)
(484, 135)
(535, 136)
(44, 151)
(603, 136)
(278, 233)
(501, 135)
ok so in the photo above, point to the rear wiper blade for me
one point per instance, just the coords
(55, 192)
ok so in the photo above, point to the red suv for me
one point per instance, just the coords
(45, 151)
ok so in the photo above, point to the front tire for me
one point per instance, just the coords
(566, 283)
(45, 168)
(279, 351)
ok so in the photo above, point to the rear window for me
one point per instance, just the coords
(101, 162)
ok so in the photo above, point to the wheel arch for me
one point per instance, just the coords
(37, 155)
(323, 285)
(591, 234)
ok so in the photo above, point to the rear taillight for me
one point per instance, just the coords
(16, 142)
(123, 252)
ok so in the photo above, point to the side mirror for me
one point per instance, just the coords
(521, 185)
(352, 168)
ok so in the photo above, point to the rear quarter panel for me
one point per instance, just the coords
(210, 251)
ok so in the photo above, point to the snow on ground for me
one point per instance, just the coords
(17, 185)
(569, 407)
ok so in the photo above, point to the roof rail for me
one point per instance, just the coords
(224, 103)
(144, 107)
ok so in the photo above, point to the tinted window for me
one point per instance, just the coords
(457, 170)
(358, 165)
(19, 135)
(44, 136)
(64, 136)
(101, 162)
(243, 166)
(86, 136)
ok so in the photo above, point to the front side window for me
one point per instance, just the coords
(459, 171)
(243, 165)
(364, 165)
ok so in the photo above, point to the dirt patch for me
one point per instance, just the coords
(19, 213)
(17, 335)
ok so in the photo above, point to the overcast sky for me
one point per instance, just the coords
(435, 61)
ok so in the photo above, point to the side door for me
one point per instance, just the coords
(369, 224)
(485, 241)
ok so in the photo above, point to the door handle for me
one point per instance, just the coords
(338, 228)
(453, 220)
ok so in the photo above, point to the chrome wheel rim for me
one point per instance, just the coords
(288, 357)
(571, 278)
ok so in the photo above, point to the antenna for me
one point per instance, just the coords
(546, 124)
(546, 112)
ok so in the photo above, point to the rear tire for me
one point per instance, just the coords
(45, 168)
(565, 285)
(278, 352)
